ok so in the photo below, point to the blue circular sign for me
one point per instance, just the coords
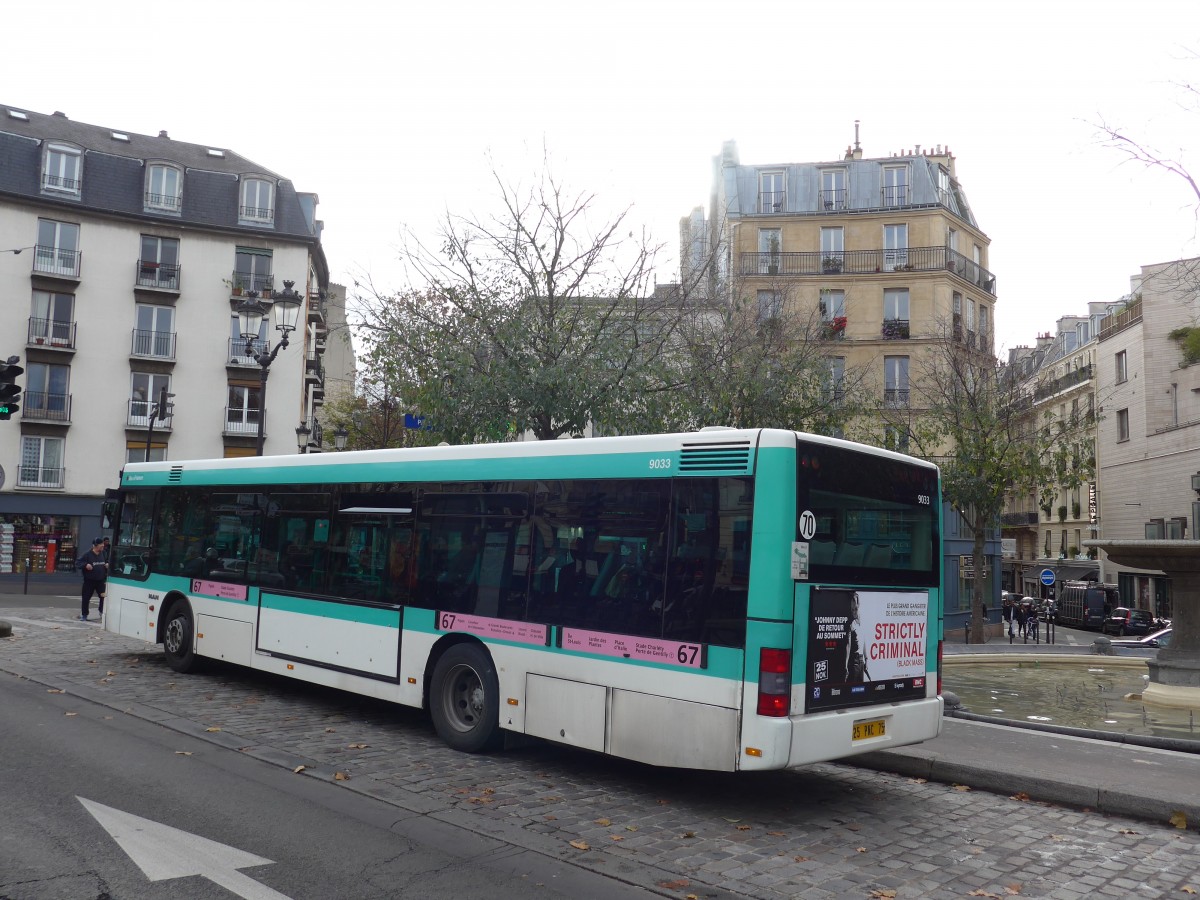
(1047, 576)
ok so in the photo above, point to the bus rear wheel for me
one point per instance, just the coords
(178, 637)
(465, 699)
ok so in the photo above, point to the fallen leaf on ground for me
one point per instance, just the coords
(980, 892)
(581, 845)
(616, 837)
(330, 730)
(551, 818)
(1020, 795)
(1178, 819)
(183, 752)
(340, 776)
(742, 827)
(1126, 831)
(72, 714)
(688, 834)
(675, 885)
(1188, 890)
(962, 787)
(776, 833)
(214, 728)
(1012, 889)
(886, 894)
(298, 770)
(918, 781)
(800, 858)
(55, 691)
(603, 822)
(356, 746)
(860, 849)
(631, 828)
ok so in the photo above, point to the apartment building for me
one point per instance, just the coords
(124, 259)
(883, 254)
(1148, 435)
(1046, 529)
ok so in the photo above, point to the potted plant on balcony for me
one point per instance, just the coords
(895, 329)
(835, 328)
(235, 288)
(1062, 514)
(831, 264)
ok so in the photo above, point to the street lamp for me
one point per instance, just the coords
(339, 437)
(251, 313)
(302, 433)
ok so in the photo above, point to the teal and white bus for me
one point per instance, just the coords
(725, 600)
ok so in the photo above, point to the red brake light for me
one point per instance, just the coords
(774, 682)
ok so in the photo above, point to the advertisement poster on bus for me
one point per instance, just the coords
(865, 647)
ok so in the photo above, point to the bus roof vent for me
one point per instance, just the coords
(726, 457)
(176, 475)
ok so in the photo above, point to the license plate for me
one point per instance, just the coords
(872, 729)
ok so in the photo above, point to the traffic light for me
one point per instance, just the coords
(10, 391)
(165, 406)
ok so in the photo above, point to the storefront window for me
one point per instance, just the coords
(49, 543)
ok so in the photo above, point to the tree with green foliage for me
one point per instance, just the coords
(977, 422)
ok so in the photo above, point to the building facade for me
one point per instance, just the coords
(123, 261)
(1148, 435)
(883, 254)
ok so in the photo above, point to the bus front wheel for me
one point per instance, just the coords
(178, 636)
(465, 699)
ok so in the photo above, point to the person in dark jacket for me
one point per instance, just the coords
(94, 566)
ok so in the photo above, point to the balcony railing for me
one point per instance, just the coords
(1017, 519)
(40, 477)
(1078, 376)
(894, 195)
(139, 416)
(238, 355)
(832, 199)
(163, 201)
(868, 262)
(895, 330)
(152, 274)
(52, 333)
(239, 420)
(157, 344)
(895, 396)
(256, 213)
(48, 260)
(772, 201)
(1130, 315)
(251, 281)
(47, 407)
(59, 183)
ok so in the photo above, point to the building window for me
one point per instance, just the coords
(136, 452)
(252, 269)
(159, 263)
(837, 379)
(833, 189)
(1122, 425)
(771, 197)
(57, 251)
(895, 380)
(47, 392)
(241, 413)
(41, 462)
(983, 325)
(833, 304)
(770, 244)
(895, 185)
(1173, 398)
(51, 319)
(895, 247)
(895, 438)
(258, 201)
(154, 331)
(62, 170)
(1122, 368)
(770, 305)
(164, 188)
(833, 246)
(143, 395)
(895, 314)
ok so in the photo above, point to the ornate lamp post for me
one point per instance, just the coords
(340, 436)
(302, 434)
(251, 313)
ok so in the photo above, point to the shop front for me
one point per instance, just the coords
(41, 536)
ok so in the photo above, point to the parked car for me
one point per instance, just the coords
(1154, 639)
(1123, 621)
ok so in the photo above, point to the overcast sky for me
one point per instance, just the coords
(393, 113)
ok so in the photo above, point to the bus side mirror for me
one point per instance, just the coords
(108, 514)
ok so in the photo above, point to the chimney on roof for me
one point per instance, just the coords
(857, 146)
(61, 115)
(164, 134)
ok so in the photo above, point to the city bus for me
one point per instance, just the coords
(724, 600)
(1086, 604)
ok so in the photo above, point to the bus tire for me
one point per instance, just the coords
(178, 638)
(464, 699)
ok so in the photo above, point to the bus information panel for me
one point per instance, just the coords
(866, 647)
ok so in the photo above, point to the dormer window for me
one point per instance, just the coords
(62, 171)
(258, 201)
(164, 188)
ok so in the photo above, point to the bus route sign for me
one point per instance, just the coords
(1047, 577)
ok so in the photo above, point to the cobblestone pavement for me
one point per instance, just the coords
(826, 831)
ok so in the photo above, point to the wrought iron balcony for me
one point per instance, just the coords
(251, 281)
(1070, 380)
(56, 261)
(832, 199)
(238, 355)
(139, 416)
(894, 330)
(163, 201)
(1018, 519)
(46, 407)
(772, 201)
(241, 420)
(51, 333)
(256, 213)
(59, 183)
(40, 477)
(151, 274)
(868, 262)
(895, 397)
(155, 344)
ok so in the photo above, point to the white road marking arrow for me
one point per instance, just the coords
(163, 852)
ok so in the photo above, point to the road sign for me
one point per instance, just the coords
(1047, 577)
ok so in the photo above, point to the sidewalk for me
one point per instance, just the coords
(1093, 770)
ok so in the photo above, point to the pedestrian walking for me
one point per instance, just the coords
(94, 566)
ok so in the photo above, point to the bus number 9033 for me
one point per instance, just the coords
(660, 463)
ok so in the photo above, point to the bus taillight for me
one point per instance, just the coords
(774, 681)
